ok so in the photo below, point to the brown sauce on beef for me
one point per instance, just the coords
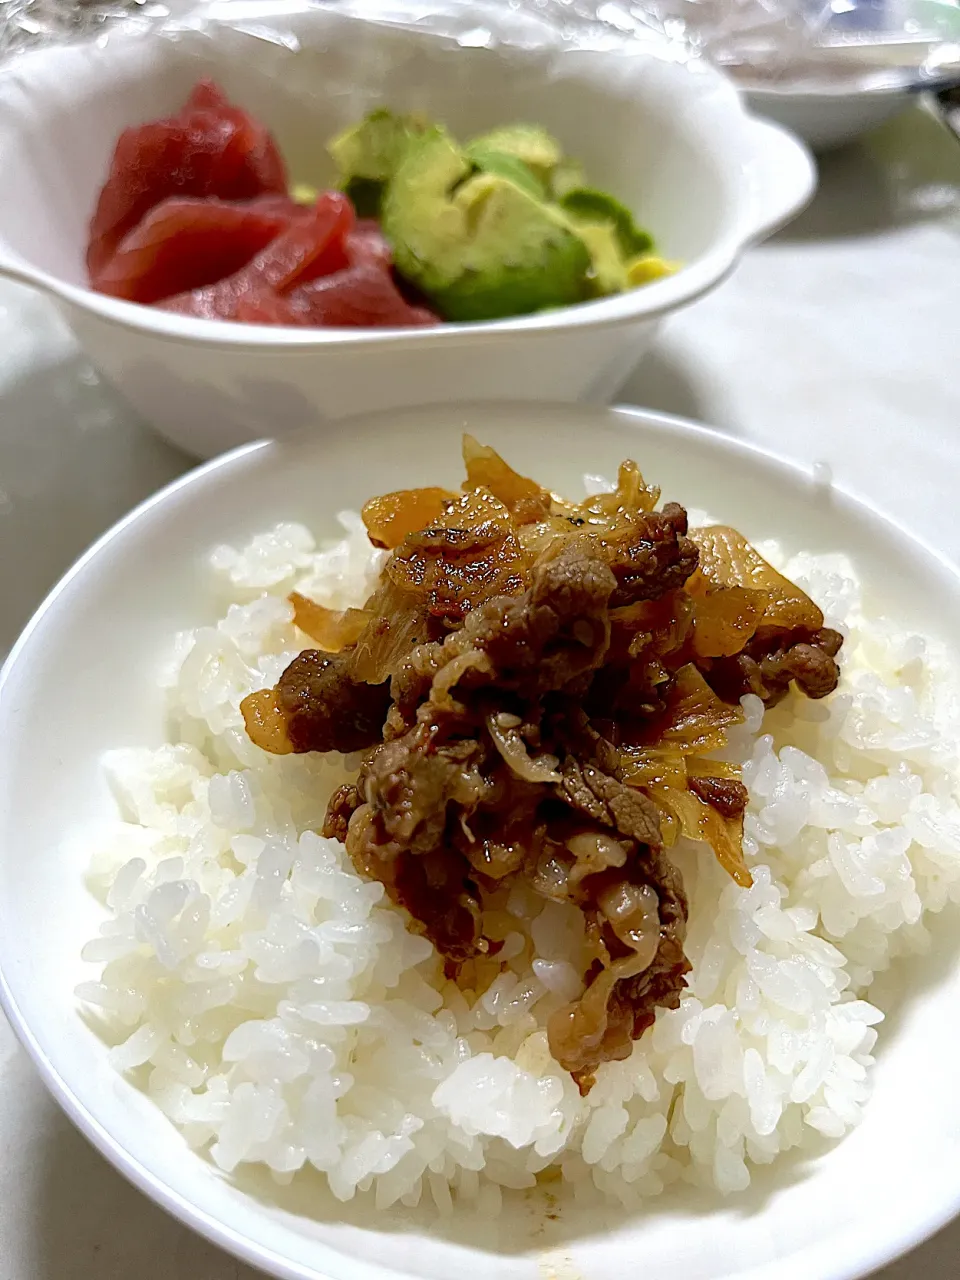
(538, 693)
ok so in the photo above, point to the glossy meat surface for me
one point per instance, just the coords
(541, 689)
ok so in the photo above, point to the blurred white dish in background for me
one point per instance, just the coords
(828, 119)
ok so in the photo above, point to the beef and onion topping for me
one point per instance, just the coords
(541, 692)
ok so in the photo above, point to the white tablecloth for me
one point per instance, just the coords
(836, 342)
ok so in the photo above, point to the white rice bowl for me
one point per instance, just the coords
(275, 1007)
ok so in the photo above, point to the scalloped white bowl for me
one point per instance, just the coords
(672, 140)
(82, 680)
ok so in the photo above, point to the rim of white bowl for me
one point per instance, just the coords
(646, 302)
(911, 84)
(863, 1253)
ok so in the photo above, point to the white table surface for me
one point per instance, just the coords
(836, 341)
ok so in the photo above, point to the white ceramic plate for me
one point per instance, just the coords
(81, 680)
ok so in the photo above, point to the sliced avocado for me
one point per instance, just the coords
(373, 148)
(647, 267)
(366, 196)
(520, 258)
(478, 245)
(608, 269)
(526, 142)
(566, 176)
(507, 166)
(303, 193)
(585, 204)
(418, 216)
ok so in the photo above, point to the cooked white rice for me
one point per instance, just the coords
(275, 1007)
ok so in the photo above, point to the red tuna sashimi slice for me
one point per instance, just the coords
(366, 244)
(185, 244)
(151, 162)
(314, 245)
(364, 296)
(252, 152)
(253, 148)
(206, 95)
(277, 204)
(269, 308)
(311, 246)
(210, 149)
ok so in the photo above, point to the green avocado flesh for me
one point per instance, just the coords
(501, 226)
(608, 270)
(585, 204)
(366, 196)
(566, 176)
(527, 143)
(518, 257)
(488, 160)
(373, 148)
(478, 245)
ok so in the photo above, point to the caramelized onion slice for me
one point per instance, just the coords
(450, 674)
(633, 911)
(615, 512)
(398, 621)
(538, 537)
(728, 560)
(695, 719)
(594, 851)
(651, 628)
(470, 554)
(576, 1031)
(698, 767)
(487, 470)
(724, 618)
(265, 723)
(642, 766)
(329, 629)
(506, 738)
(700, 821)
(391, 517)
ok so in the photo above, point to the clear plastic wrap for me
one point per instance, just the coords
(811, 45)
(31, 24)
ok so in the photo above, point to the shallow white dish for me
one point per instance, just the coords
(673, 141)
(828, 120)
(81, 680)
